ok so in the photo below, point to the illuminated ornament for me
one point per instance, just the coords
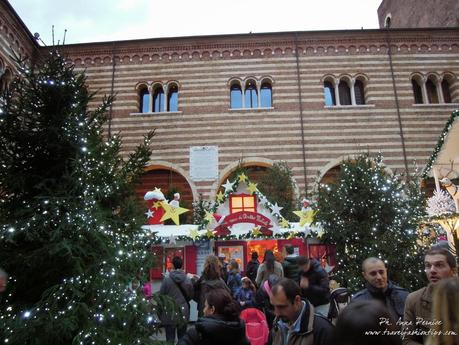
(220, 197)
(242, 177)
(172, 239)
(172, 212)
(228, 186)
(306, 217)
(320, 233)
(209, 233)
(252, 187)
(256, 231)
(209, 217)
(194, 234)
(276, 209)
(155, 209)
(284, 223)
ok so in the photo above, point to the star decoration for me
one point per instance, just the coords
(306, 217)
(149, 213)
(157, 204)
(220, 196)
(194, 234)
(263, 200)
(291, 235)
(157, 190)
(209, 217)
(172, 212)
(252, 187)
(320, 233)
(228, 186)
(209, 233)
(256, 231)
(242, 177)
(284, 223)
(276, 209)
(172, 239)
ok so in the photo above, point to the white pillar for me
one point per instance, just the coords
(352, 91)
(337, 92)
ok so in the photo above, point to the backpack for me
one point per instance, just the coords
(256, 327)
(339, 299)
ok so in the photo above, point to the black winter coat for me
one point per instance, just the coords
(252, 268)
(213, 330)
(318, 292)
(291, 269)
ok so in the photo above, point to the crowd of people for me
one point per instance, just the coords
(297, 303)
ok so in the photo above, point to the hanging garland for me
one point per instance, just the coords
(440, 143)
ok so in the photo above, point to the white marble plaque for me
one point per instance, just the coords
(204, 163)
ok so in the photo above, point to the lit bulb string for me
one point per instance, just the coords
(441, 140)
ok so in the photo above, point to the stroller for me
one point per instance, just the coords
(339, 299)
(256, 327)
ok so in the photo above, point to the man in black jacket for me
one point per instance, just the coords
(296, 323)
(314, 283)
(290, 264)
(378, 287)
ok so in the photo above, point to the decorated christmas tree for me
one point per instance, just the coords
(370, 212)
(70, 235)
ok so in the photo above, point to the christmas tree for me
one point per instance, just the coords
(70, 234)
(369, 212)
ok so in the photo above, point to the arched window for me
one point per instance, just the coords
(445, 88)
(417, 92)
(344, 93)
(5, 80)
(359, 92)
(158, 99)
(266, 95)
(251, 95)
(236, 96)
(172, 98)
(329, 94)
(144, 96)
(431, 92)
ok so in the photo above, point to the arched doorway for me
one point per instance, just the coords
(170, 182)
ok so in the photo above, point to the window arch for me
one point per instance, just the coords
(158, 99)
(144, 99)
(432, 93)
(5, 80)
(235, 95)
(417, 90)
(251, 94)
(329, 93)
(172, 97)
(446, 86)
(344, 93)
(266, 95)
(359, 92)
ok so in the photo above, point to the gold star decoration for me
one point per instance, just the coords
(256, 231)
(209, 217)
(209, 233)
(284, 223)
(194, 233)
(157, 204)
(242, 177)
(220, 196)
(157, 190)
(252, 187)
(172, 212)
(320, 233)
(291, 235)
(306, 217)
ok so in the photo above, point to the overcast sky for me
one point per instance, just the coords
(108, 20)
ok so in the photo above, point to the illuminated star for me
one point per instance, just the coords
(172, 239)
(263, 200)
(220, 196)
(149, 213)
(242, 177)
(172, 212)
(157, 204)
(284, 223)
(209, 233)
(209, 217)
(256, 231)
(291, 235)
(306, 217)
(252, 187)
(276, 209)
(194, 233)
(320, 233)
(228, 186)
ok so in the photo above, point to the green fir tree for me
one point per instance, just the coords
(70, 235)
(369, 212)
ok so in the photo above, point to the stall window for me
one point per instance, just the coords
(242, 202)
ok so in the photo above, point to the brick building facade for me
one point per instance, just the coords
(307, 98)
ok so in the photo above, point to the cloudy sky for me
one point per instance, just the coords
(108, 20)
